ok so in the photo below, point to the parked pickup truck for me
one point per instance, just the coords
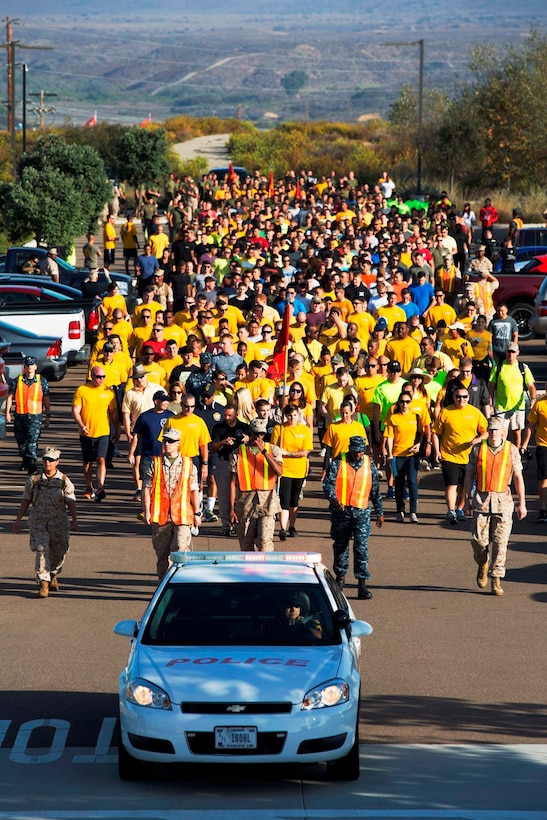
(14, 260)
(519, 290)
(61, 320)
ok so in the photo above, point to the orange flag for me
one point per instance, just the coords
(271, 186)
(278, 366)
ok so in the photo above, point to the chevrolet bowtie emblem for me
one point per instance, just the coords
(236, 707)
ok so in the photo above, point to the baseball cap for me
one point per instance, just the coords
(381, 324)
(394, 367)
(160, 395)
(208, 391)
(205, 358)
(29, 360)
(513, 348)
(337, 359)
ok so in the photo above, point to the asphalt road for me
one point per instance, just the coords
(446, 664)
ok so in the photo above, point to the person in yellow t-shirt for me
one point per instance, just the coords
(456, 430)
(111, 302)
(482, 354)
(159, 242)
(295, 441)
(391, 312)
(148, 304)
(94, 410)
(403, 436)
(402, 348)
(440, 310)
(456, 345)
(336, 439)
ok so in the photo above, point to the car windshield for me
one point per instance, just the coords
(248, 614)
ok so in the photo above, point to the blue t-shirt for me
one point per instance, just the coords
(147, 265)
(410, 309)
(149, 426)
(422, 296)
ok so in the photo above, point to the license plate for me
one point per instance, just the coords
(235, 737)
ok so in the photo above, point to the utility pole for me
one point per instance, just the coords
(10, 46)
(419, 139)
(42, 109)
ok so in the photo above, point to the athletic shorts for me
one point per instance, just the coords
(513, 420)
(453, 474)
(289, 492)
(129, 253)
(541, 462)
(94, 448)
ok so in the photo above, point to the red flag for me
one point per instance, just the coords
(298, 192)
(271, 186)
(278, 366)
(91, 121)
(146, 122)
(231, 176)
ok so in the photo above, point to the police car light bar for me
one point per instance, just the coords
(243, 557)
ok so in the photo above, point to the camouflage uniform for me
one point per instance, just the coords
(351, 522)
(256, 511)
(493, 514)
(48, 521)
(169, 536)
(28, 426)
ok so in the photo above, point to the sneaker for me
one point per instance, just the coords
(460, 515)
(322, 452)
(414, 518)
(542, 517)
(140, 516)
(138, 496)
(232, 531)
(426, 466)
(210, 517)
(390, 493)
(400, 518)
(292, 533)
(381, 474)
(89, 495)
(100, 496)
(283, 535)
(451, 516)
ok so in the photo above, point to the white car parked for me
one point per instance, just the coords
(242, 658)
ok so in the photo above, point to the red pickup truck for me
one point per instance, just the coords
(519, 291)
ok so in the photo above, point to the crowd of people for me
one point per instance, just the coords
(396, 358)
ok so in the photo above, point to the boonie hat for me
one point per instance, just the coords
(358, 444)
(495, 423)
(138, 371)
(259, 426)
(52, 452)
(171, 434)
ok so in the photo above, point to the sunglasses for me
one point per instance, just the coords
(48, 458)
(100, 377)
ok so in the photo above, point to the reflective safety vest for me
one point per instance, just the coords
(179, 505)
(494, 470)
(353, 486)
(28, 397)
(253, 471)
(484, 291)
(447, 279)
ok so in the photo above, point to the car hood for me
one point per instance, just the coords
(241, 674)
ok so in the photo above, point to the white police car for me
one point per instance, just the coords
(242, 658)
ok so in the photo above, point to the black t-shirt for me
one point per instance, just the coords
(222, 430)
(353, 291)
(182, 251)
(211, 415)
(179, 283)
(91, 290)
(177, 371)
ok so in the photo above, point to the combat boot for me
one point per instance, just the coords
(341, 581)
(54, 584)
(43, 592)
(363, 592)
(482, 576)
(496, 587)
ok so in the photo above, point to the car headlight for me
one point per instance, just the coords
(143, 693)
(330, 693)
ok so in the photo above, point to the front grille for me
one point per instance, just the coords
(268, 743)
(234, 708)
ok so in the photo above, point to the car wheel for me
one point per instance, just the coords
(129, 768)
(347, 767)
(522, 312)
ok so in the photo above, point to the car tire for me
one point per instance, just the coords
(522, 312)
(347, 767)
(129, 768)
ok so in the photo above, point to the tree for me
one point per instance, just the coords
(294, 81)
(141, 156)
(60, 192)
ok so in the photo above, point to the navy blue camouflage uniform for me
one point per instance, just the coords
(28, 426)
(351, 522)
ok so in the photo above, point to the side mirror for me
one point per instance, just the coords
(127, 629)
(360, 629)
